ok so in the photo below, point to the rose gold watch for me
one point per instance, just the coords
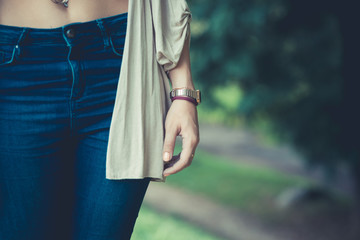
(186, 92)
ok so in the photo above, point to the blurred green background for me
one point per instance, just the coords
(278, 156)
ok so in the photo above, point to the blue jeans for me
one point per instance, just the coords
(57, 93)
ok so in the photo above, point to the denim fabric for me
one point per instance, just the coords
(57, 93)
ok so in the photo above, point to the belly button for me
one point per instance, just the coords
(64, 2)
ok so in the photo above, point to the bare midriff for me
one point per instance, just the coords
(47, 14)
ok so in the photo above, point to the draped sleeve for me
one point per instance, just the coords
(171, 19)
(155, 36)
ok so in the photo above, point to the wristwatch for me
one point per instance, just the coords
(186, 92)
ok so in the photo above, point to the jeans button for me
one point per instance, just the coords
(70, 33)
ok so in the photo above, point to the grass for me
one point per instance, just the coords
(249, 188)
(152, 225)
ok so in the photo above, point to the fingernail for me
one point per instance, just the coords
(166, 156)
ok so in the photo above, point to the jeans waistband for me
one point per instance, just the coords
(14, 35)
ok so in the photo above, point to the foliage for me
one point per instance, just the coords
(286, 56)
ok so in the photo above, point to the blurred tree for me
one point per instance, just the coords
(296, 62)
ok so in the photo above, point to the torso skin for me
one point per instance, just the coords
(47, 14)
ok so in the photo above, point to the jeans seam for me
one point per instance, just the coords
(73, 79)
(22, 36)
(103, 33)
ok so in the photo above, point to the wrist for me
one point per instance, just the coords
(187, 86)
(188, 99)
(182, 81)
(188, 94)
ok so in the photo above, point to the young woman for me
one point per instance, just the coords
(86, 118)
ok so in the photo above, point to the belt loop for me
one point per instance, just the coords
(22, 36)
(103, 33)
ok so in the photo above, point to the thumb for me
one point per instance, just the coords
(169, 144)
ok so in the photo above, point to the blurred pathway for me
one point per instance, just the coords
(223, 222)
(241, 146)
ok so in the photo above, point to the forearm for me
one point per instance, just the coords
(180, 76)
(181, 119)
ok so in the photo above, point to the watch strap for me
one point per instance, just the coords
(185, 92)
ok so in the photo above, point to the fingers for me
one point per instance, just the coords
(186, 157)
(171, 163)
(180, 120)
(169, 143)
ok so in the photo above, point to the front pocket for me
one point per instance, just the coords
(117, 42)
(7, 54)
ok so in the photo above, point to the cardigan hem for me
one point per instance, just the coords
(120, 177)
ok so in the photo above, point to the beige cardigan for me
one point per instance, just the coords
(155, 36)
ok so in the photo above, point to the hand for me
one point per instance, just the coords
(181, 120)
